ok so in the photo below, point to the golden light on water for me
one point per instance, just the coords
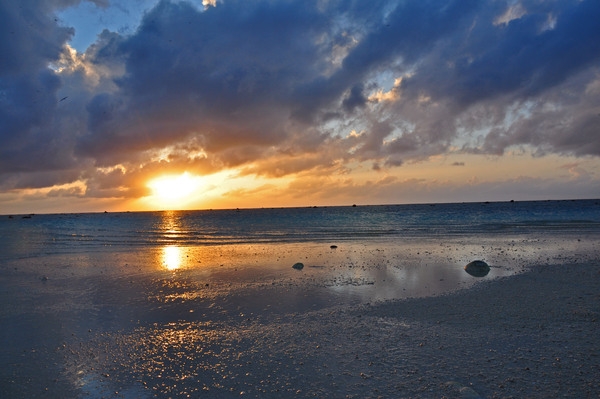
(171, 257)
(172, 254)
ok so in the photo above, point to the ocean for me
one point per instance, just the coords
(40, 235)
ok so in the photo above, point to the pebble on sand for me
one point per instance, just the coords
(298, 266)
(477, 268)
(463, 391)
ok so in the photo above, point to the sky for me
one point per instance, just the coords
(114, 105)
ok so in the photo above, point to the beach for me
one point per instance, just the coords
(299, 199)
(132, 325)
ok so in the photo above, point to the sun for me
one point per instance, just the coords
(175, 191)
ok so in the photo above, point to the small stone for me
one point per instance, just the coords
(298, 266)
(464, 391)
(477, 268)
(333, 247)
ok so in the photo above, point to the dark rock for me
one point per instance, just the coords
(333, 247)
(298, 266)
(477, 268)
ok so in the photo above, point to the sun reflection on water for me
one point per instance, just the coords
(171, 257)
(170, 226)
(171, 254)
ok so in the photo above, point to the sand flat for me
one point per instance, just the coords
(127, 325)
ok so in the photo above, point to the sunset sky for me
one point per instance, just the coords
(142, 104)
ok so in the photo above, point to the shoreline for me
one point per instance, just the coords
(21, 213)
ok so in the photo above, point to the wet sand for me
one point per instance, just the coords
(155, 323)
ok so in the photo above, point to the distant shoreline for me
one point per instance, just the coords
(31, 214)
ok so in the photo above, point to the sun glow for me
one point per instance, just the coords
(175, 191)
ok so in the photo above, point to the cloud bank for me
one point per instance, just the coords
(280, 88)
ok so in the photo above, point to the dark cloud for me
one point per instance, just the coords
(30, 39)
(527, 56)
(224, 74)
(356, 98)
(258, 85)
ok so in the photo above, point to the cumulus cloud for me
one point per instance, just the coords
(275, 88)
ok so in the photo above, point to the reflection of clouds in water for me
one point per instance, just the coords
(417, 270)
(391, 282)
(392, 270)
(352, 273)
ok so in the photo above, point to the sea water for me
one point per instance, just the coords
(40, 235)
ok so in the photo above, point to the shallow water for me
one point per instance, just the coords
(41, 235)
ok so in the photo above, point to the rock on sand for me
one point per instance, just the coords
(298, 266)
(477, 268)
